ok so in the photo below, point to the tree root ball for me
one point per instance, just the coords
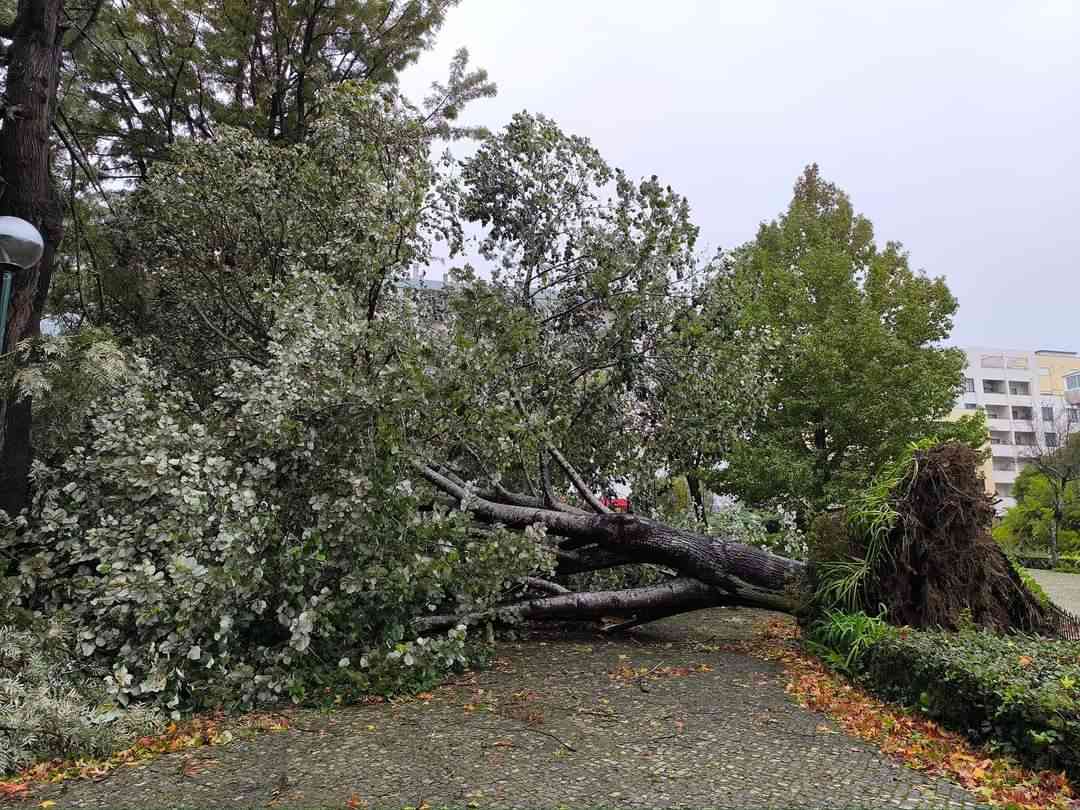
(943, 569)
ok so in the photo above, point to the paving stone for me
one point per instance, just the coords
(1064, 589)
(560, 732)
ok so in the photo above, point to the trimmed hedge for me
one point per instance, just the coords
(1067, 563)
(1018, 691)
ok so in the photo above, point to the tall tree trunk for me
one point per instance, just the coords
(697, 497)
(1055, 521)
(33, 69)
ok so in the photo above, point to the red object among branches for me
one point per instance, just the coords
(616, 504)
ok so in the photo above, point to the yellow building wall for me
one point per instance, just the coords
(1059, 366)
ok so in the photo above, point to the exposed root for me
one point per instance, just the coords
(941, 566)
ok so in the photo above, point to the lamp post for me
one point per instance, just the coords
(21, 247)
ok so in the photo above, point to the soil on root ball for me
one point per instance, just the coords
(942, 567)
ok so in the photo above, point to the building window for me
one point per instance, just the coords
(1051, 440)
(993, 386)
(1024, 438)
(970, 406)
(1000, 437)
(969, 385)
(1074, 415)
(1019, 389)
(1072, 381)
(1048, 414)
(1004, 464)
(1022, 413)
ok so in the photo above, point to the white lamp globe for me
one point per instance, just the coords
(20, 242)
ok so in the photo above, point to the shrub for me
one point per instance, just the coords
(842, 640)
(51, 707)
(1067, 563)
(1021, 691)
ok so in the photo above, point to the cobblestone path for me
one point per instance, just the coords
(561, 722)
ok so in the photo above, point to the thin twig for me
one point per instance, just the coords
(563, 743)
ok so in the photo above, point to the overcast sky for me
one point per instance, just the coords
(954, 126)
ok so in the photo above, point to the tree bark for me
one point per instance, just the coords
(697, 497)
(1054, 523)
(33, 69)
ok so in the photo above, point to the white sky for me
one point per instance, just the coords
(953, 125)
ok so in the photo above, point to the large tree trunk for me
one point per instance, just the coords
(675, 596)
(941, 567)
(33, 69)
(712, 570)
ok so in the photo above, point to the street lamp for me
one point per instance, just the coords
(21, 247)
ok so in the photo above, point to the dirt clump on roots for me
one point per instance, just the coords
(942, 568)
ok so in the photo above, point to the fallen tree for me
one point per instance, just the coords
(714, 571)
(231, 520)
(929, 563)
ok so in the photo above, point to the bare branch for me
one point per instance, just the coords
(579, 483)
(501, 494)
(538, 584)
(576, 562)
(515, 517)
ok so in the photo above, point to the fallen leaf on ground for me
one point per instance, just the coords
(905, 734)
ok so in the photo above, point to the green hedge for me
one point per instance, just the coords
(1019, 691)
(1067, 563)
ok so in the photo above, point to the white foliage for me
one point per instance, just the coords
(50, 708)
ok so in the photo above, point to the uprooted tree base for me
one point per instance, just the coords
(941, 567)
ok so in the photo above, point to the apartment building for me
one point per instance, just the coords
(1031, 400)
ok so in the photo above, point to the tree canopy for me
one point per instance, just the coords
(97, 95)
(855, 352)
(150, 74)
(262, 436)
(1046, 516)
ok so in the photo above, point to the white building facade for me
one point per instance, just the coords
(1031, 400)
